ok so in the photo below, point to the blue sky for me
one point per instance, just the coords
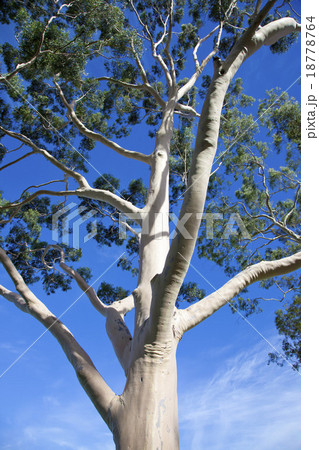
(229, 398)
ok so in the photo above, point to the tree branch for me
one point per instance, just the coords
(144, 87)
(139, 64)
(108, 197)
(168, 43)
(199, 68)
(84, 191)
(254, 38)
(121, 306)
(72, 173)
(153, 46)
(88, 290)
(95, 194)
(286, 218)
(97, 136)
(18, 205)
(14, 298)
(167, 285)
(195, 314)
(39, 51)
(119, 335)
(257, 8)
(116, 328)
(99, 392)
(17, 160)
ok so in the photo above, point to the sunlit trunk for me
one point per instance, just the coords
(147, 416)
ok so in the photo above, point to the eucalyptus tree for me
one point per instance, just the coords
(91, 72)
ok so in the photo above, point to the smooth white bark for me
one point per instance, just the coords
(198, 312)
(99, 392)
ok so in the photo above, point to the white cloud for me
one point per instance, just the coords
(246, 405)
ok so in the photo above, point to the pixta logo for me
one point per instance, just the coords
(230, 225)
(70, 232)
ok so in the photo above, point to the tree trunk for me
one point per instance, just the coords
(146, 413)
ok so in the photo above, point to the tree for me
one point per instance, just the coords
(51, 106)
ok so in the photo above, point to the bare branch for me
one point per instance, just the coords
(200, 42)
(286, 218)
(37, 186)
(94, 194)
(166, 286)
(88, 290)
(263, 270)
(94, 385)
(14, 149)
(156, 56)
(121, 306)
(185, 110)
(17, 205)
(78, 177)
(168, 43)
(97, 136)
(257, 8)
(119, 335)
(17, 160)
(108, 197)
(14, 298)
(293, 10)
(116, 328)
(199, 68)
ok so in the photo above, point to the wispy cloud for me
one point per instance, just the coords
(66, 424)
(246, 405)
(9, 347)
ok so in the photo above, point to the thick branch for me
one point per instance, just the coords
(254, 38)
(198, 312)
(95, 194)
(14, 298)
(257, 8)
(119, 334)
(186, 110)
(108, 197)
(90, 379)
(167, 286)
